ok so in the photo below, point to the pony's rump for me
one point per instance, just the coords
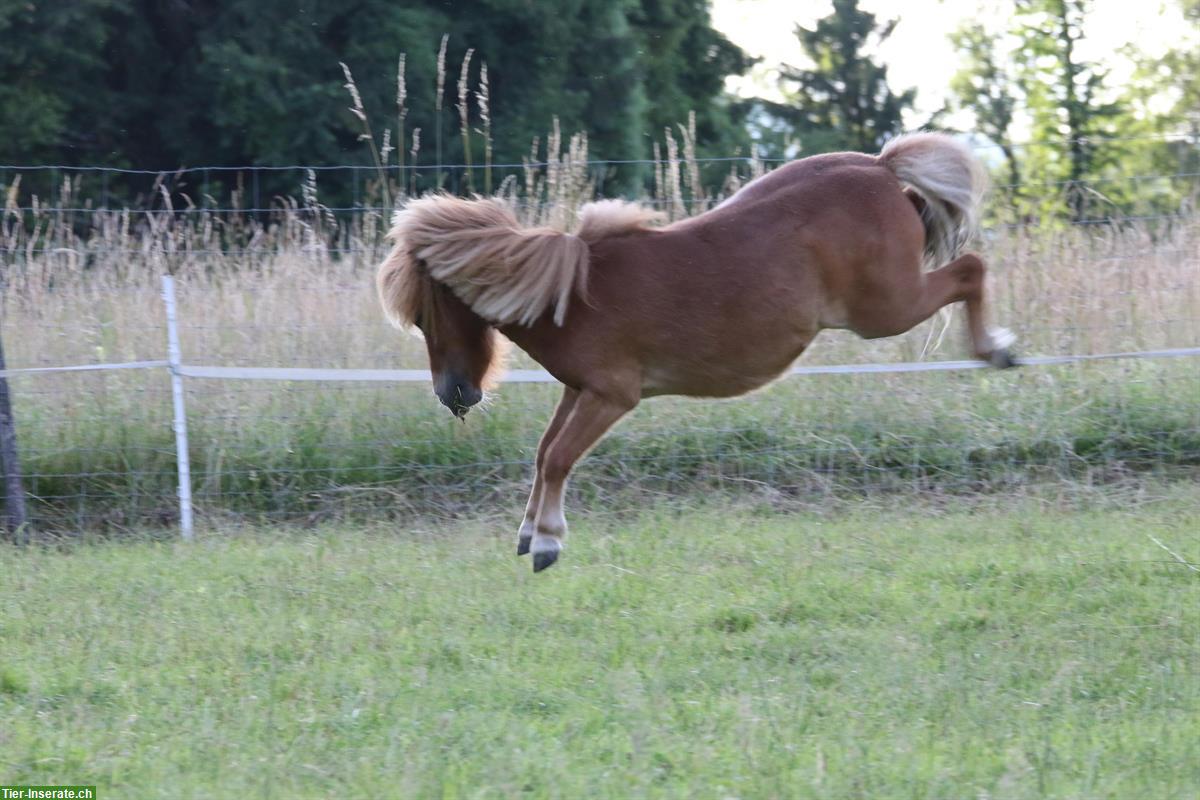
(950, 181)
(506, 273)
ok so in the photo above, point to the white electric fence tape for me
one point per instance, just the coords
(541, 376)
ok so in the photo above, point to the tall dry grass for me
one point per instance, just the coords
(81, 291)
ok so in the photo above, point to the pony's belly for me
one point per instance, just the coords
(715, 382)
(723, 366)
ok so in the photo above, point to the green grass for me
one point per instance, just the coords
(976, 648)
(320, 452)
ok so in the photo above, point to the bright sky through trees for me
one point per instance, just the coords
(918, 52)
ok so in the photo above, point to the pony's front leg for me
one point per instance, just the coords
(529, 524)
(588, 419)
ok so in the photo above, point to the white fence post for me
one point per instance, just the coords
(174, 360)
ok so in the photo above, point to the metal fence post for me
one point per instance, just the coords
(181, 434)
(14, 492)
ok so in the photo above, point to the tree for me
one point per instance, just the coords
(49, 57)
(842, 101)
(160, 85)
(684, 63)
(1184, 66)
(579, 62)
(1087, 138)
(1063, 94)
(1175, 75)
(985, 85)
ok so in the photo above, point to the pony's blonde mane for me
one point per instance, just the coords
(506, 273)
(614, 218)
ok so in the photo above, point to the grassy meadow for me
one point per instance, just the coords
(936, 585)
(1041, 647)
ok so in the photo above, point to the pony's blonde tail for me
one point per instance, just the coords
(504, 272)
(950, 181)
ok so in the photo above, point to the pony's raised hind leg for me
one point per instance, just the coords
(989, 344)
(529, 524)
(589, 418)
(960, 280)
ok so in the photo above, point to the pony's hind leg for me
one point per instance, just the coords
(529, 524)
(960, 280)
(989, 344)
(588, 419)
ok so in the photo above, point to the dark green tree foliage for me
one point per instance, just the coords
(160, 84)
(843, 101)
(574, 60)
(52, 61)
(684, 64)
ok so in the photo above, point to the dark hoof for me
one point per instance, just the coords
(544, 559)
(1003, 359)
(523, 545)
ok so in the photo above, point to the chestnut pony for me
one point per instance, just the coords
(712, 306)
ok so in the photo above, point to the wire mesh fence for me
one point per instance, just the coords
(292, 288)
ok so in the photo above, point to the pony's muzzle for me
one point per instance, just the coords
(458, 396)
